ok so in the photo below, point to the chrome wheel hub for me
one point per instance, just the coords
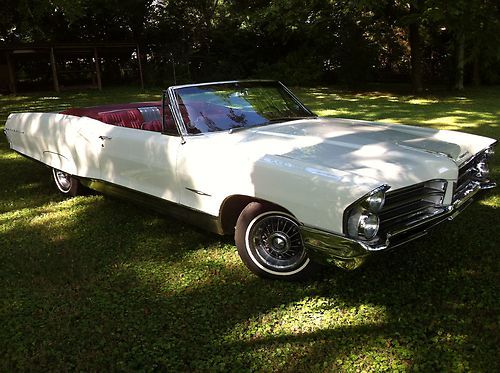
(63, 180)
(277, 242)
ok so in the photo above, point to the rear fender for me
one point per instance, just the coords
(59, 161)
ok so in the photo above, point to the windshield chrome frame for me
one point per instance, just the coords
(176, 112)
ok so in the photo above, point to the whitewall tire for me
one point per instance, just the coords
(270, 244)
(66, 183)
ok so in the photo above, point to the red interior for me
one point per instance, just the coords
(153, 125)
(131, 118)
(94, 111)
(124, 115)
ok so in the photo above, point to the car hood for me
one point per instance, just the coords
(398, 155)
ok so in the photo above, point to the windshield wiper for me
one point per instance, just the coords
(285, 119)
(240, 128)
(269, 121)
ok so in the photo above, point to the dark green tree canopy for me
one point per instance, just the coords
(301, 42)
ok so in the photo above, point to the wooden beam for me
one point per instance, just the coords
(140, 65)
(12, 74)
(97, 69)
(54, 70)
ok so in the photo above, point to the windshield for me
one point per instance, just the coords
(228, 106)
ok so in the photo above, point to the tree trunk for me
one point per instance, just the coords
(476, 71)
(459, 82)
(415, 41)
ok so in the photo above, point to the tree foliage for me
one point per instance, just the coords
(306, 41)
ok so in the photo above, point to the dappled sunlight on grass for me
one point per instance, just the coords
(449, 121)
(422, 101)
(50, 216)
(57, 216)
(463, 99)
(491, 201)
(441, 112)
(331, 112)
(93, 283)
(10, 155)
(481, 117)
(389, 120)
(306, 316)
(379, 96)
(201, 267)
(50, 98)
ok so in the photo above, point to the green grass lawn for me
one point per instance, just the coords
(93, 283)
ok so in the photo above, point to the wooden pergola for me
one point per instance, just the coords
(63, 52)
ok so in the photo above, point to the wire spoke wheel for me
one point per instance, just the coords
(66, 183)
(63, 180)
(270, 244)
(277, 242)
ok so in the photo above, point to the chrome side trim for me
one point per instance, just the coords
(488, 185)
(195, 217)
(199, 192)
(423, 150)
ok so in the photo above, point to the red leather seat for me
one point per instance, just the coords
(126, 115)
(93, 112)
(153, 125)
(131, 118)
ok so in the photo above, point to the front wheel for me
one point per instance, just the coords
(270, 244)
(66, 183)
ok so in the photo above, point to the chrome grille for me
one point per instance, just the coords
(411, 205)
(467, 174)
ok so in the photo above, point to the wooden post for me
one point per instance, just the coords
(97, 69)
(54, 70)
(140, 65)
(12, 74)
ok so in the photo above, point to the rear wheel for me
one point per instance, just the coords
(66, 183)
(270, 244)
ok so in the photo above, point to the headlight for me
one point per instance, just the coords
(368, 225)
(375, 202)
(363, 224)
(360, 219)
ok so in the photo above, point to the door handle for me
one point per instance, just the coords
(105, 138)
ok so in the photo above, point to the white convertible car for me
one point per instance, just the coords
(247, 157)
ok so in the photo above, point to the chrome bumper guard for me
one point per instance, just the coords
(348, 253)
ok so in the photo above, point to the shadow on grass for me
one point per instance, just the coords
(22, 181)
(92, 283)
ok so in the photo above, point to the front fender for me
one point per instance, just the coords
(316, 195)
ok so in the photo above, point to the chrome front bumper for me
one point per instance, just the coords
(347, 253)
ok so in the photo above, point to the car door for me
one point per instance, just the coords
(140, 160)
